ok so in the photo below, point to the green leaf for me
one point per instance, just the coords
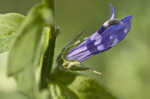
(27, 52)
(88, 88)
(26, 82)
(81, 86)
(9, 24)
(28, 46)
(12, 95)
(59, 91)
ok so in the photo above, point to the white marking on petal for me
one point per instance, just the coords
(84, 55)
(100, 48)
(79, 56)
(76, 51)
(111, 37)
(115, 42)
(98, 42)
(126, 30)
(95, 36)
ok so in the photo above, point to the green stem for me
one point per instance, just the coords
(49, 54)
(50, 4)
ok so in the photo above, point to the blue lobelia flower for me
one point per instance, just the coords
(109, 34)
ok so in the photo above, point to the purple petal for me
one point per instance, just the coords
(101, 29)
(112, 12)
(102, 40)
(127, 20)
(112, 16)
(115, 33)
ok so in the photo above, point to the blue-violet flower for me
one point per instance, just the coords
(109, 34)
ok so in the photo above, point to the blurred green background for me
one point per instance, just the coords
(125, 67)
